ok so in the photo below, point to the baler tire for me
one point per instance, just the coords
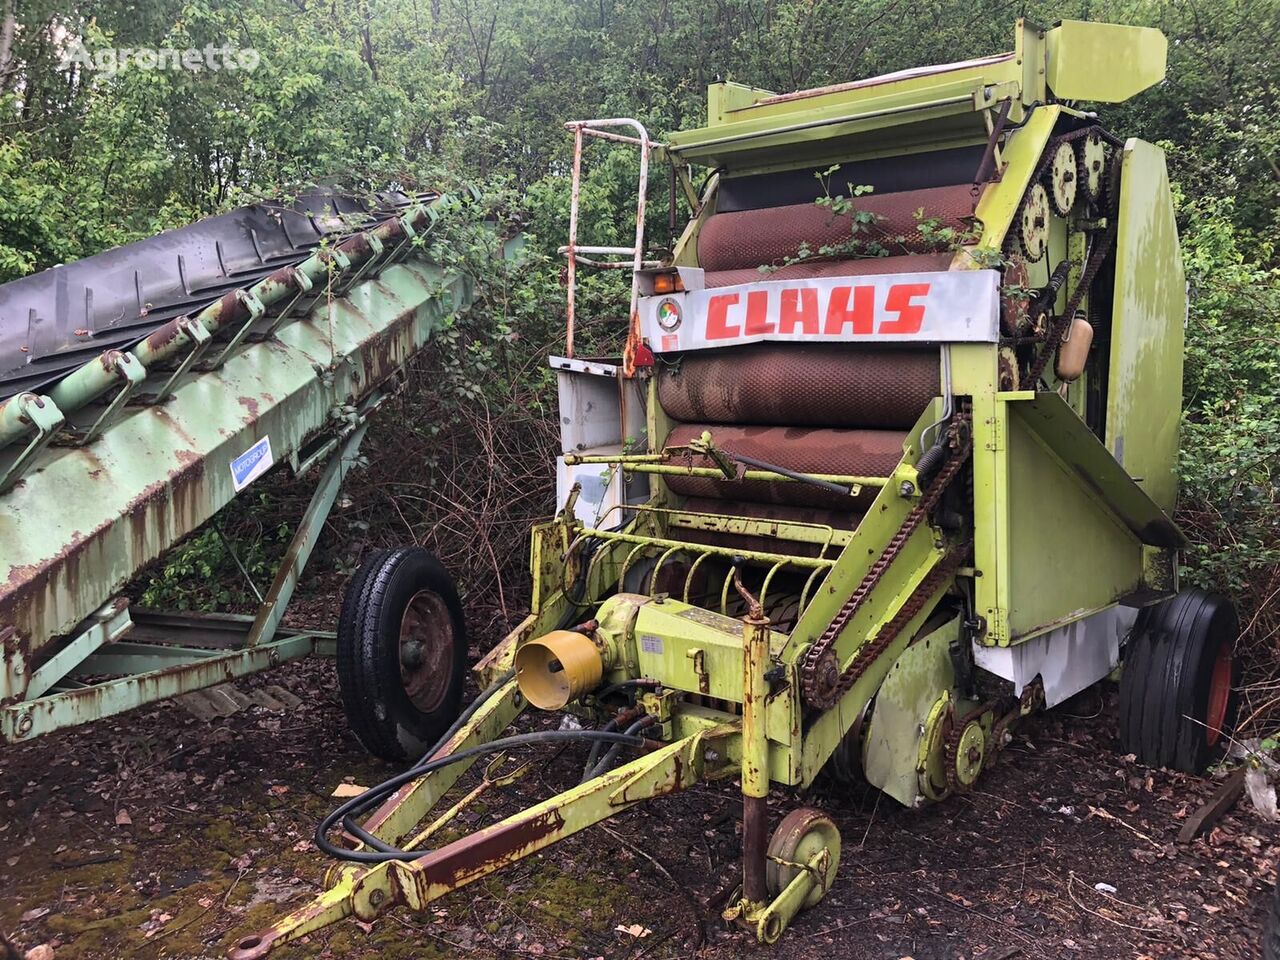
(1179, 681)
(375, 700)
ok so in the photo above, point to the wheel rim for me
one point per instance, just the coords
(797, 839)
(426, 650)
(1219, 696)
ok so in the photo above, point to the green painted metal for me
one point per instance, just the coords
(919, 676)
(1082, 60)
(150, 679)
(79, 520)
(26, 415)
(1145, 381)
(272, 609)
(160, 472)
(1062, 523)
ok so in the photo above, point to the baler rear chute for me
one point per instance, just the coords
(892, 493)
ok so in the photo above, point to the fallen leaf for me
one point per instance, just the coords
(35, 914)
(348, 790)
(123, 819)
(42, 952)
(634, 930)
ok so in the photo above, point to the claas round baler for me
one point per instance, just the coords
(887, 464)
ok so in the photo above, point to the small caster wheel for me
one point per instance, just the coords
(797, 840)
(402, 653)
(1178, 691)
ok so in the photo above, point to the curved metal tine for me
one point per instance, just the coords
(599, 522)
(724, 592)
(764, 590)
(688, 581)
(831, 533)
(653, 578)
(804, 594)
(595, 558)
(626, 564)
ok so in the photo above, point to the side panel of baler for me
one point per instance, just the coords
(1144, 395)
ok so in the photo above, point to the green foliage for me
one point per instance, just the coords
(1231, 421)
(202, 573)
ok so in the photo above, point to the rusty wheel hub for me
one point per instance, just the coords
(426, 650)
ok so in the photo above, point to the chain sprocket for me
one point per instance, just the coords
(1061, 180)
(1091, 166)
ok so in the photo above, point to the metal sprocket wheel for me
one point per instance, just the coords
(797, 840)
(1061, 179)
(1033, 223)
(1091, 166)
(966, 756)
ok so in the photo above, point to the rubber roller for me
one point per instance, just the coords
(800, 384)
(769, 236)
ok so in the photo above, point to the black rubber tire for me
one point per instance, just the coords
(1168, 678)
(377, 705)
(1271, 927)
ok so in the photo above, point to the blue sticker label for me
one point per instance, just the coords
(251, 464)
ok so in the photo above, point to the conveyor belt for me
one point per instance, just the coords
(54, 321)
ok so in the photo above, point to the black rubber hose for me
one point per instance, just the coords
(594, 755)
(348, 821)
(376, 794)
(607, 761)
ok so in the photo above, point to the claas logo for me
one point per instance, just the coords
(841, 311)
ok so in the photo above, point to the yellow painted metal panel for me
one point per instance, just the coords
(1103, 62)
(1068, 554)
(1145, 391)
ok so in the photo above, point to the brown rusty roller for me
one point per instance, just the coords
(911, 263)
(764, 511)
(871, 453)
(802, 385)
(751, 238)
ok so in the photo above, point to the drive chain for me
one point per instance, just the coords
(821, 680)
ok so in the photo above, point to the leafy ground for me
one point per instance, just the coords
(162, 836)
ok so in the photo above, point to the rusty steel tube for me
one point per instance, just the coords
(101, 374)
(755, 757)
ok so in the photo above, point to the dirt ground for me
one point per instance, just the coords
(157, 835)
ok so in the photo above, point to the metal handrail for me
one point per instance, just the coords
(597, 128)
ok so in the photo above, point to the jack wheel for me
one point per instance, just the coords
(402, 653)
(1178, 691)
(800, 836)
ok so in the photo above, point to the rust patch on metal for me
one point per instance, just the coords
(162, 512)
(250, 404)
(166, 334)
(487, 850)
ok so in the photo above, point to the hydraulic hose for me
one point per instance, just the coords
(376, 794)
(608, 760)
